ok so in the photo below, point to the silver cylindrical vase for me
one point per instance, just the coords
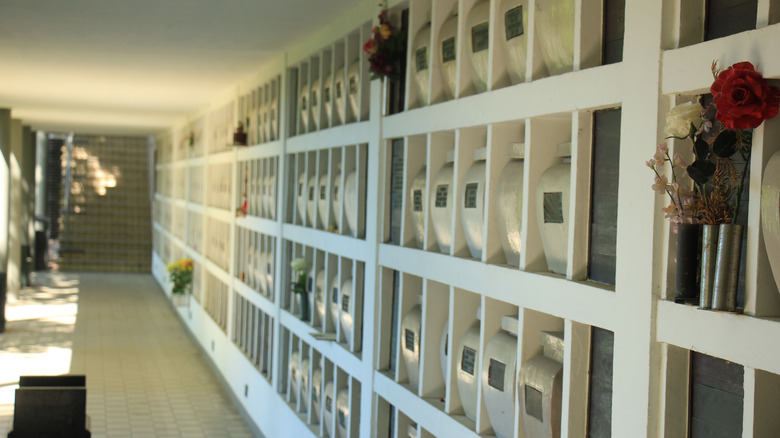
(724, 296)
(709, 251)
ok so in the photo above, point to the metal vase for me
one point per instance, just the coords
(709, 251)
(687, 263)
(724, 295)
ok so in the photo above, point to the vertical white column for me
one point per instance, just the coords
(5, 155)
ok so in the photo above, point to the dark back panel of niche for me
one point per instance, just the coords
(602, 343)
(614, 29)
(604, 195)
(727, 17)
(717, 394)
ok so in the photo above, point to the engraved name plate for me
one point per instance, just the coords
(470, 200)
(409, 340)
(553, 208)
(448, 50)
(468, 360)
(496, 372)
(479, 37)
(421, 56)
(441, 195)
(513, 20)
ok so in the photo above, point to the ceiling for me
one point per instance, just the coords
(138, 66)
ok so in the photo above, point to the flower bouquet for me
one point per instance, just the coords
(300, 271)
(708, 190)
(386, 49)
(180, 274)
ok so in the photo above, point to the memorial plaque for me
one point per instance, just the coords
(396, 190)
(353, 85)
(342, 420)
(417, 201)
(345, 303)
(323, 191)
(409, 340)
(313, 98)
(479, 37)
(335, 295)
(326, 95)
(448, 50)
(421, 57)
(328, 403)
(470, 200)
(338, 90)
(553, 208)
(303, 103)
(496, 372)
(441, 195)
(533, 403)
(311, 193)
(513, 20)
(468, 360)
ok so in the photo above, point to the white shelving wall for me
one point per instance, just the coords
(664, 62)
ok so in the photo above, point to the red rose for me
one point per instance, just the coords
(743, 97)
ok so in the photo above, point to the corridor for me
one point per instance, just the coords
(145, 377)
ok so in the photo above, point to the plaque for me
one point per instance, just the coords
(533, 402)
(345, 303)
(326, 95)
(468, 360)
(311, 193)
(479, 37)
(441, 195)
(314, 98)
(417, 200)
(421, 57)
(323, 191)
(328, 403)
(496, 372)
(315, 396)
(409, 340)
(470, 200)
(335, 295)
(513, 20)
(352, 85)
(448, 50)
(553, 208)
(342, 419)
(396, 190)
(335, 193)
(300, 189)
(303, 103)
(338, 90)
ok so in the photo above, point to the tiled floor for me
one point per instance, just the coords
(145, 378)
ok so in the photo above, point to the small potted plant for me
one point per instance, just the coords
(300, 269)
(180, 273)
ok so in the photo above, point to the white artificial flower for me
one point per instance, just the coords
(680, 118)
(299, 264)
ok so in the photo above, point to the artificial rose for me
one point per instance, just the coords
(680, 118)
(743, 97)
(385, 31)
(299, 264)
(370, 47)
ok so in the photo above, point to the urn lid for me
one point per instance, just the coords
(418, 299)
(515, 150)
(553, 344)
(479, 313)
(480, 154)
(509, 323)
(450, 156)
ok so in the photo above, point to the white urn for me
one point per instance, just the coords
(472, 204)
(440, 204)
(327, 98)
(478, 39)
(311, 201)
(304, 383)
(449, 49)
(552, 210)
(329, 407)
(421, 63)
(333, 299)
(319, 298)
(411, 327)
(303, 102)
(339, 94)
(509, 197)
(353, 88)
(514, 21)
(499, 374)
(300, 197)
(350, 201)
(540, 389)
(335, 198)
(466, 369)
(314, 104)
(316, 395)
(347, 310)
(342, 416)
(770, 214)
(443, 351)
(322, 200)
(554, 24)
(417, 207)
(294, 375)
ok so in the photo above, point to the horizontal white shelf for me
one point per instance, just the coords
(262, 150)
(220, 214)
(738, 338)
(222, 157)
(588, 303)
(338, 354)
(593, 88)
(196, 161)
(349, 134)
(435, 420)
(687, 70)
(259, 224)
(217, 271)
(344, 246)
(195, 207)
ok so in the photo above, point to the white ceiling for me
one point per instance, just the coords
(138, 66)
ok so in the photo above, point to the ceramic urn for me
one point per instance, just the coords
(329, 407)
(300, 197)
(303, 103)
(335, 199)
(540, 389)
(552, 210)
(319, 298)
(445, 335)
(339, 94)
(421, 63)
(350, 201)
(316, 395)
(304, 383)
(472, 204)
(448, 51)
(327, 98)
(294, 375)
(353, 88)
(314, 104)
(347, 310)
(513, 23)
(440, 204)
(311, 200)
(509, 197)
(342, 412)
(499, 373)
(333, 299)
(411, 327)
(478, 40)
(417, 210)
(322, 200)
(554, 21)
(466, 368)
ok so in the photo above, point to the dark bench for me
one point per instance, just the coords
(51, 406)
